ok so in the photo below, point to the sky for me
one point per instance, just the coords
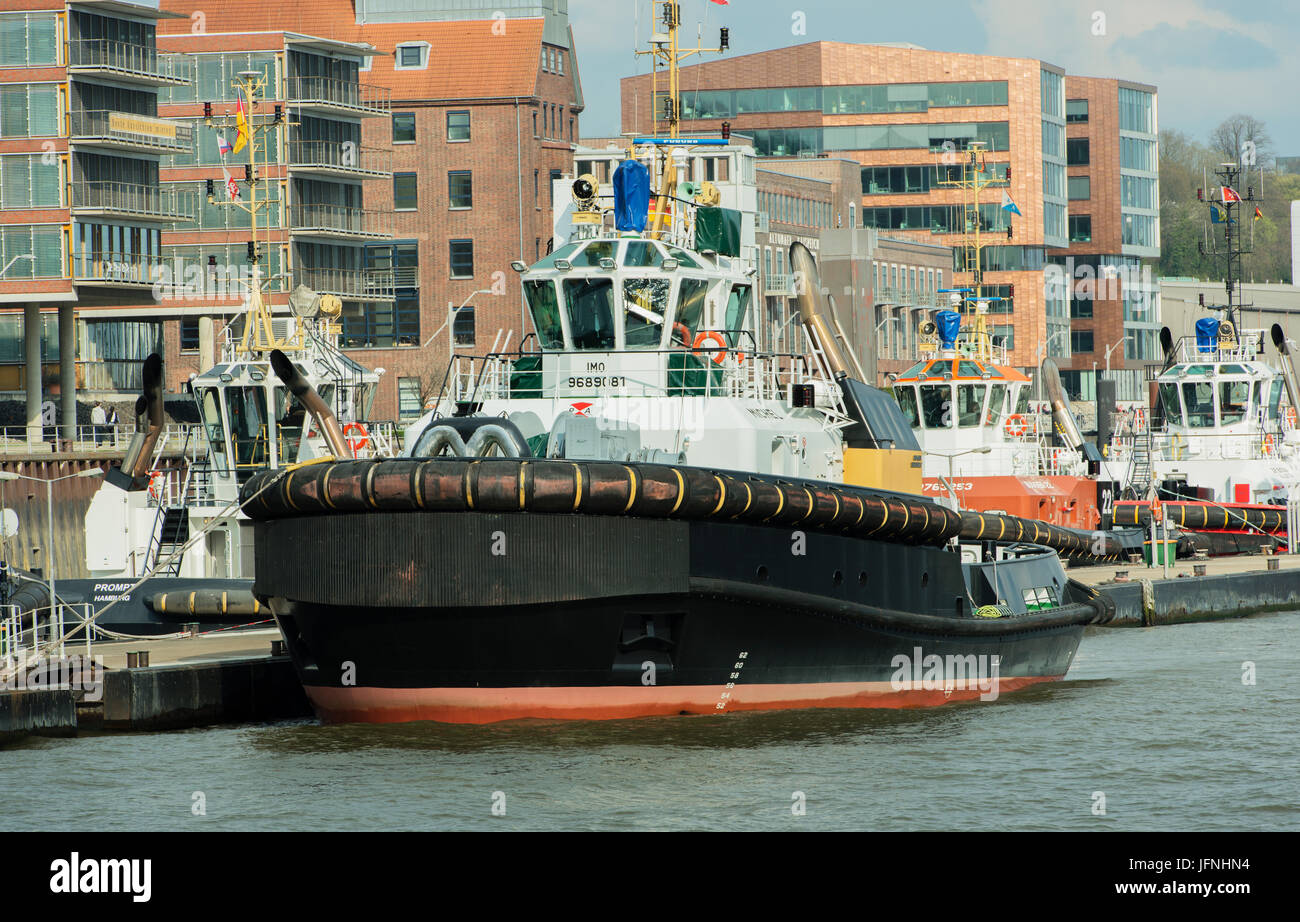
(1208, 58)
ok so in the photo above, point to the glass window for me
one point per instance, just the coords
(403, 127)
(1079, 187)
(461, 257)
(410, 55)
(544, 307)
(997, 401)
(690, 307)
(1234, 401)
(408, 398)
(1081, 341)
(970, 405)
(189, 334)
(1077, 152)
(936, 406)
(1076, 110)
(905, 394)
(405, 197)
(594, 253)
(1080, 228)
(458, 126)
(463, 325)
(590, 306)
(642, 253)
(645, 304)
(1199, 399)
(737, 312)
(460, 188)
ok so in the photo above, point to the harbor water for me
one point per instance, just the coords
(1177, 727)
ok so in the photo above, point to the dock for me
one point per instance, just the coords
(1231, 587)
(225, 677)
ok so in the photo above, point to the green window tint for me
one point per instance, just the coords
(645, 304)
(936, 406)
(683, 258)
(737, 313)
(403, 127)
(1022, 402)
(594, 253)
(905, 394)
(690, 306)
(1274, 397)
(590, 306)
(1199, 398)
(564, 252)
(405, 196)
(642, 253)
(970, 405)
(1234, 401)
(212, 422)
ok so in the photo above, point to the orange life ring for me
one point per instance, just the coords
(684, 332)
(357, 436)
(1289, 417)
(157, 479)
(1016, 425)
(711, 336)
(1268, 443)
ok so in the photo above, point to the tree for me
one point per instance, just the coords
(1243, 139)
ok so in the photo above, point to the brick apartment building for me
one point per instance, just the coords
(410, 166)
(81, 212)
(907, 116)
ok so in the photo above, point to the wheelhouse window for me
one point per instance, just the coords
(1173, 410)
(997, 404)
(936, 406)
(690, 307)
(1199, 399)
(589, 303)
(970, 405)
(1234, 401)
(544, 307)
(645, 304)
(905, 394)
(737, 311)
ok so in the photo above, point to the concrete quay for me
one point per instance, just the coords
(1231, 587)
(189, 682)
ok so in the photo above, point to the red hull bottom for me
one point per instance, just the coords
(489, 705)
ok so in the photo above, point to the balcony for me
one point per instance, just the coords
(132, 200)
(348, 284)
(118, 269)
(128, 131)
(406, 277)
(909, 297)
(339, 158)
(127, 62)
(327, 220)
(335, 95)
(779, 285)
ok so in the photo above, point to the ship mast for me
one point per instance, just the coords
(1226, 208)
(259, 334)
(664, 50)
(975, 177)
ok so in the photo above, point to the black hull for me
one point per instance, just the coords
(604, 617)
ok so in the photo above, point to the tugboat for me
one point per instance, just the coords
(648, 516)
(171, 545)
(1220, 453)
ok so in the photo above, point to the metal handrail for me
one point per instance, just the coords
(340, 218)
(131, 128)
(124, 58)
(356, 284)
(133, 198)
(338, 155)
(335, 91)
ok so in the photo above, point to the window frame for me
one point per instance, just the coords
(424, 49)
(451, 257)
(451, 195)
(448, 126)
(415, 190)
(410, 140)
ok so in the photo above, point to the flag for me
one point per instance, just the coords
(1008, 205)
(241, 126)
(1228, 194)
(1218, 214)
(1258, 214)
(232, 187)
(223, 146)
(722, 2)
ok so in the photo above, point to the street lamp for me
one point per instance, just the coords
(49, 513)
(14, 260)
(1109, 349)
(451, 315)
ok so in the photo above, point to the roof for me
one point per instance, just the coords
(469, 59)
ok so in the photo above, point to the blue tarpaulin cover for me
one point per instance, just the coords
(1207, 334)
(631, 195)
(949, 322)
